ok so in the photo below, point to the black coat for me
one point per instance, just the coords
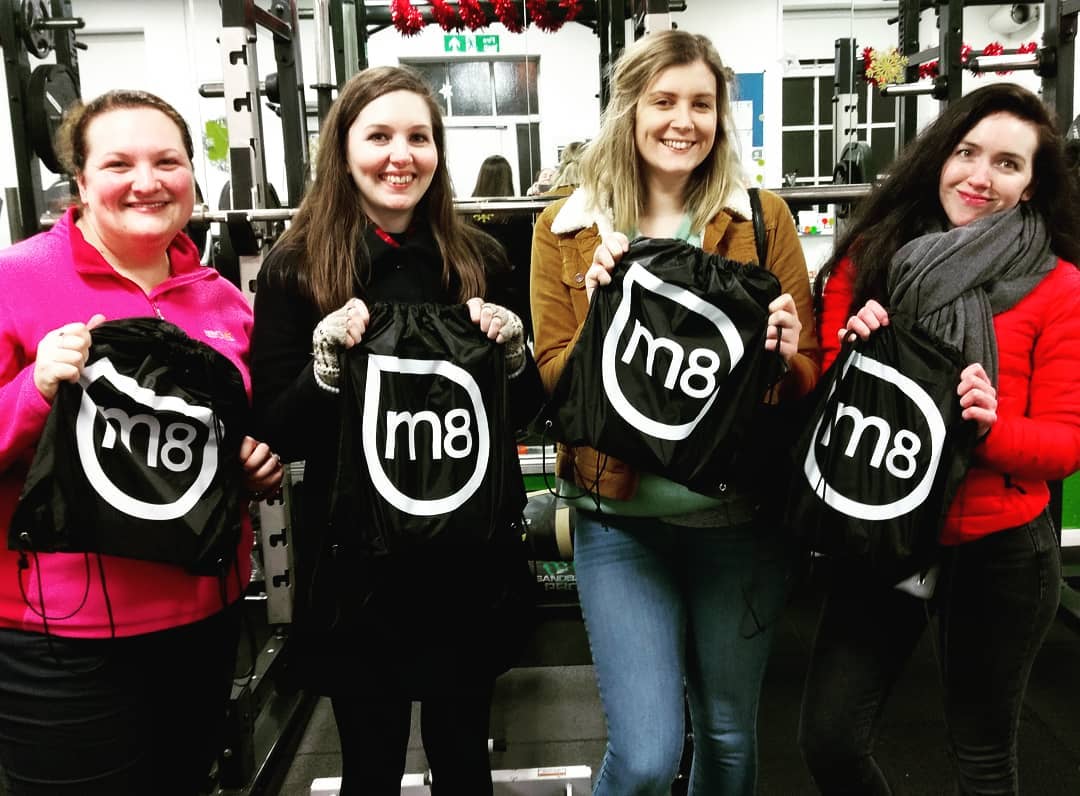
(423, 623)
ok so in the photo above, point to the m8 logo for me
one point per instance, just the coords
(662, 385)
(428, 453)
(876, 471)
(150, 456)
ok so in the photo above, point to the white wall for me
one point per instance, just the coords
(170, 47)
(568, 82)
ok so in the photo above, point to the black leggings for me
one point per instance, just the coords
(374, 733)
(116, 717)
(995, 600)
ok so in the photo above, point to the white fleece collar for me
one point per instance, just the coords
(578, 213)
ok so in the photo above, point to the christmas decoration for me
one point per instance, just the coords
(409, 20)
(506, 11)
(545, 20)
(446, 16)
(406, 19)
(888, 67)
(471, 14)
(884, 67)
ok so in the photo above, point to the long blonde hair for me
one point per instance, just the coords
(328, 230)
(611, 165)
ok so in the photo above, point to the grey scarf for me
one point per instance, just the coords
(955, 281)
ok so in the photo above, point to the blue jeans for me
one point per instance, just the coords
(676, 614)
(995, 600)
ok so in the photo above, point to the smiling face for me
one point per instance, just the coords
(990, 170)
(675, 122)
(392, 157)
(136, 188)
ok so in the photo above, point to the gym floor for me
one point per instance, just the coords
(547, 713)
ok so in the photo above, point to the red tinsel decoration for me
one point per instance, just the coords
(445, 15)
(471, 14)
(572, 8)
(540, 16)
(506, 11)
(930, 68)
(867, 56)
(994, 48)
(408, 20)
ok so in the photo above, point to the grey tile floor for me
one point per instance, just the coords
(550, 715)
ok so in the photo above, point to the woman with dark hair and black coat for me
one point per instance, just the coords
(436, 624)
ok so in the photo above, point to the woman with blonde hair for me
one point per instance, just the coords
(678, 590)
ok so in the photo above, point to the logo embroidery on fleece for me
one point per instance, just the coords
(219, 334)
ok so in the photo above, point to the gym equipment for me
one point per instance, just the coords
(37, 98)
(1054, 62)
(53, 89)
(854, 166)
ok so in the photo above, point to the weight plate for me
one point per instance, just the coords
(52, 91)
(39, 43)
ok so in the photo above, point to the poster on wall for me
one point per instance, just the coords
(748, 108)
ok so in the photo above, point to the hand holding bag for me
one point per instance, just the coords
(670, 363)
(425, 455)
(884, 453)
(140, 458)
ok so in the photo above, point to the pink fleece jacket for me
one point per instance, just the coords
(49, 280)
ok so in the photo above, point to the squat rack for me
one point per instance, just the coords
(1054, 61)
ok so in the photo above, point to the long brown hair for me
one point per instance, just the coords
(495, 178)
(328, 230)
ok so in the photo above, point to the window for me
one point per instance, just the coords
(807, 156)
(482, 87)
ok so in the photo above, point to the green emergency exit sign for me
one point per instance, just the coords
(461, 43)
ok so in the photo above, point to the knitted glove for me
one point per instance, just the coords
(513, 334)
(326, 343)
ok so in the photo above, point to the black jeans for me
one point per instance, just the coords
(374, 731)
(116, 717)
(995, 600)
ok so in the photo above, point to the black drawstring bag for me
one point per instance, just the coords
(884, 452)
(670, 364)
(425, 456)
(140, 458)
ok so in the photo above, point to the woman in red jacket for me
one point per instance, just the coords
(989, 268)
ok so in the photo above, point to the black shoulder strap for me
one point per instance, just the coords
(758, 217)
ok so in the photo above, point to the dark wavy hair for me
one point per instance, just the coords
(328, 229)
(906, 204)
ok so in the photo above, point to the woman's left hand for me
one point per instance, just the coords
(503, 326)
(263, 469)
(784, 325)
(978, 398)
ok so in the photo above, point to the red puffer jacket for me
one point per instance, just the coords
(1037, 434)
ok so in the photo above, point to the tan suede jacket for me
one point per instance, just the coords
(564, 239)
